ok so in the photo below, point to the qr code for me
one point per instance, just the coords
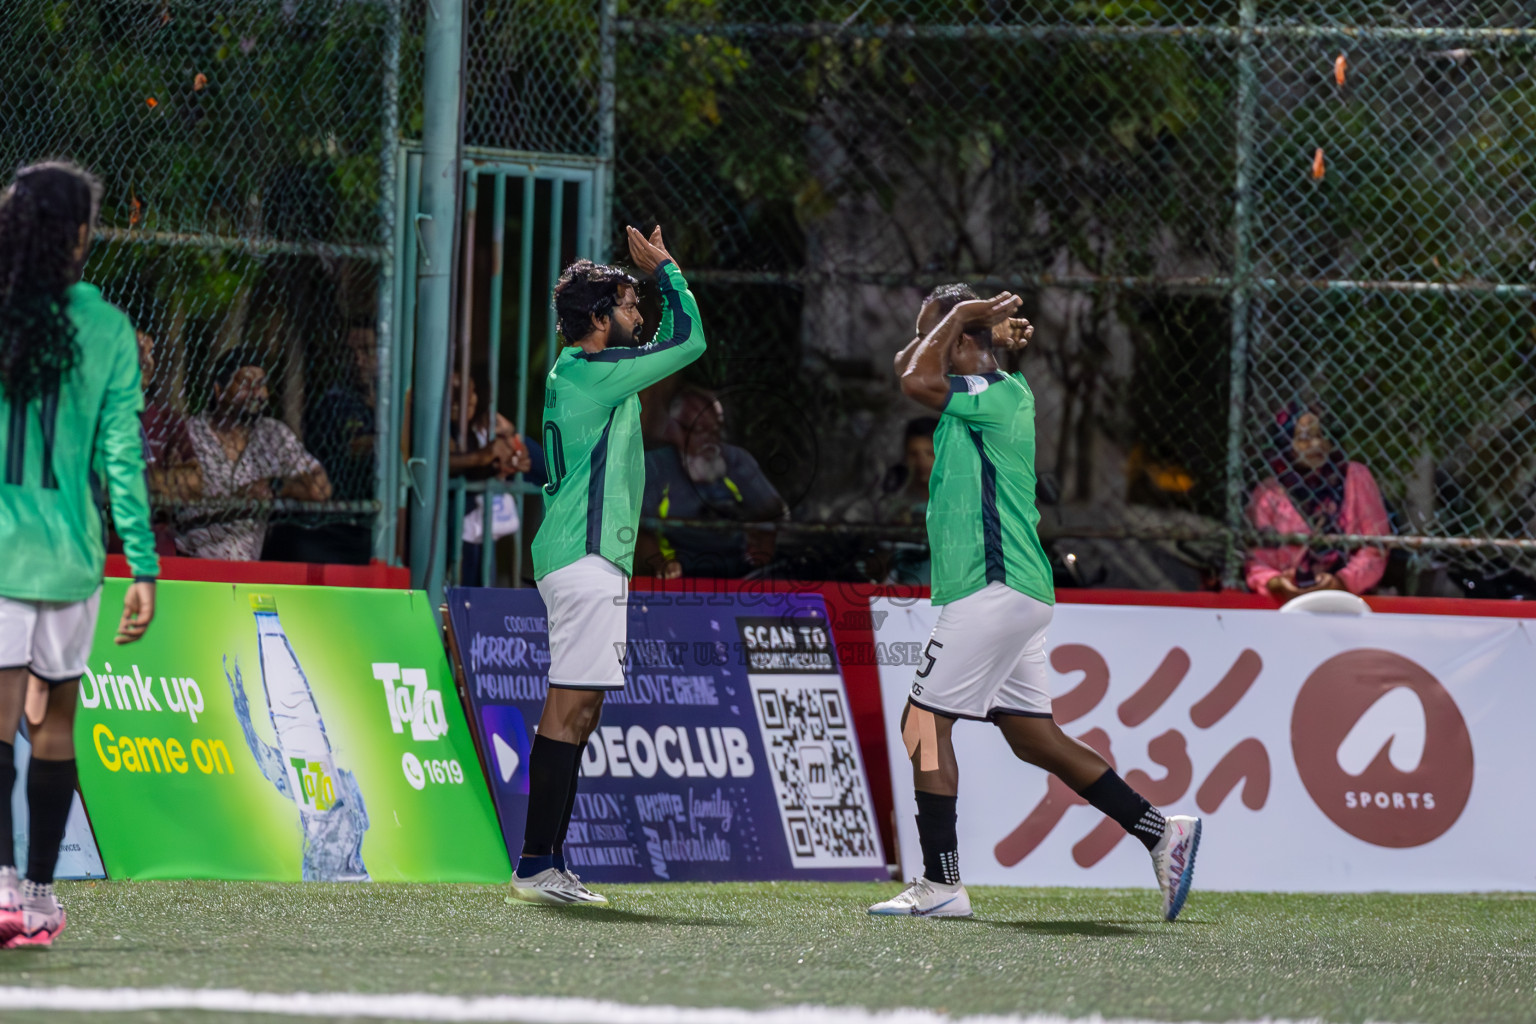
(813, 758)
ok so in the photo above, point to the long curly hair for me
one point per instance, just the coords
(40, 218)
(585, 290)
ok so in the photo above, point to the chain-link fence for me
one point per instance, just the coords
(247, 150)
(1213, 211)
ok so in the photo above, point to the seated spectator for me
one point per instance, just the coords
(697, 475)
(503, 456)
(904, 491)
(1314, 489)
(170, 468)
(905, 501)
(244, 454)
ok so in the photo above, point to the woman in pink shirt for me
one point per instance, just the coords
(1315, 489)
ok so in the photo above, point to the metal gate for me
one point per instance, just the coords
(551, 208)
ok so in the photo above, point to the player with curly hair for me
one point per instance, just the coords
(585, 548)
(70, 395)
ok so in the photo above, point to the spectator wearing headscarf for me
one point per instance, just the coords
(1314, 489)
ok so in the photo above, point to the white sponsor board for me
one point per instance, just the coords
(1326, 753)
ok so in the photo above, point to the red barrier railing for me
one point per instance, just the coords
(311, 574)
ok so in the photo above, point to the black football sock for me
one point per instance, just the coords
(565, 820)
(7, 783)
(936, 835)
(1130, 809)
(50, 791)
(549, 784)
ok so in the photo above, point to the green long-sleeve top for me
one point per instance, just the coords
(592, 435)
(50, 527)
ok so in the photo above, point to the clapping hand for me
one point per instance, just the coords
(647, 253)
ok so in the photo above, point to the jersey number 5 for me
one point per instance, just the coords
(16, 445)
(928, 653)
(554, 455)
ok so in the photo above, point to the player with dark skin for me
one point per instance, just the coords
(964, 342)
(992, 586)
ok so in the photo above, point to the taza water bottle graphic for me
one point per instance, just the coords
(301, 766)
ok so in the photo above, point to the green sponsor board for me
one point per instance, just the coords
(282, 733)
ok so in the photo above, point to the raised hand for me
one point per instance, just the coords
(1013, 334)
(647, 253)
(978, 313)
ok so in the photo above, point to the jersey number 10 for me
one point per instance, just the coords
(554, 455)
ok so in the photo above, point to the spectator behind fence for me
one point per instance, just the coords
(170, 466)
(696, 475)
(904, 490)
(904, 501)
(244, 454)
(502, 456)
(1315, 489)
(168, 456)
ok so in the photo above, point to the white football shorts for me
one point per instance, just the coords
(986, 657)
(588, 610)
(52, 638)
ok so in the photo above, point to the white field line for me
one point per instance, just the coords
(523, 1009)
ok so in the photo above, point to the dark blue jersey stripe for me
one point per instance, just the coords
(958, 385)
(49, 415)
(991, 523)
(596, 485)
(16, 448)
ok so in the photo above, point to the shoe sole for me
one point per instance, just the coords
(42, 941)
(545, 898)
(918, 913)
(1189, 876)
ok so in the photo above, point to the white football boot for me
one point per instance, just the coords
(1173, 859)
(926, 899)
(587, 895)
(554, 887)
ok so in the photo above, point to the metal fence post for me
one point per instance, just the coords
(441, 174)
(386, 438)
(1242, 284)
(602, 202)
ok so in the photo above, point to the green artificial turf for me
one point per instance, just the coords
(1072, 952)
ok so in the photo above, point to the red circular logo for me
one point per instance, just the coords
(1382, 748)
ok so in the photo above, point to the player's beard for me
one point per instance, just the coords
(620, 336)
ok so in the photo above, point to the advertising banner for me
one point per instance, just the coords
(729, 755)
(78, 857)
(282, 733)
(1327, 753)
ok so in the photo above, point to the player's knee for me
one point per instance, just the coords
(54, 738)
(587, 716)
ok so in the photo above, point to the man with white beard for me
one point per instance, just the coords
(699, 476)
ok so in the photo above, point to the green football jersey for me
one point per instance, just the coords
(981, 496)
(50, 525)
(592, 442)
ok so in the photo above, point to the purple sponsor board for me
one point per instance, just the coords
(729, 755)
